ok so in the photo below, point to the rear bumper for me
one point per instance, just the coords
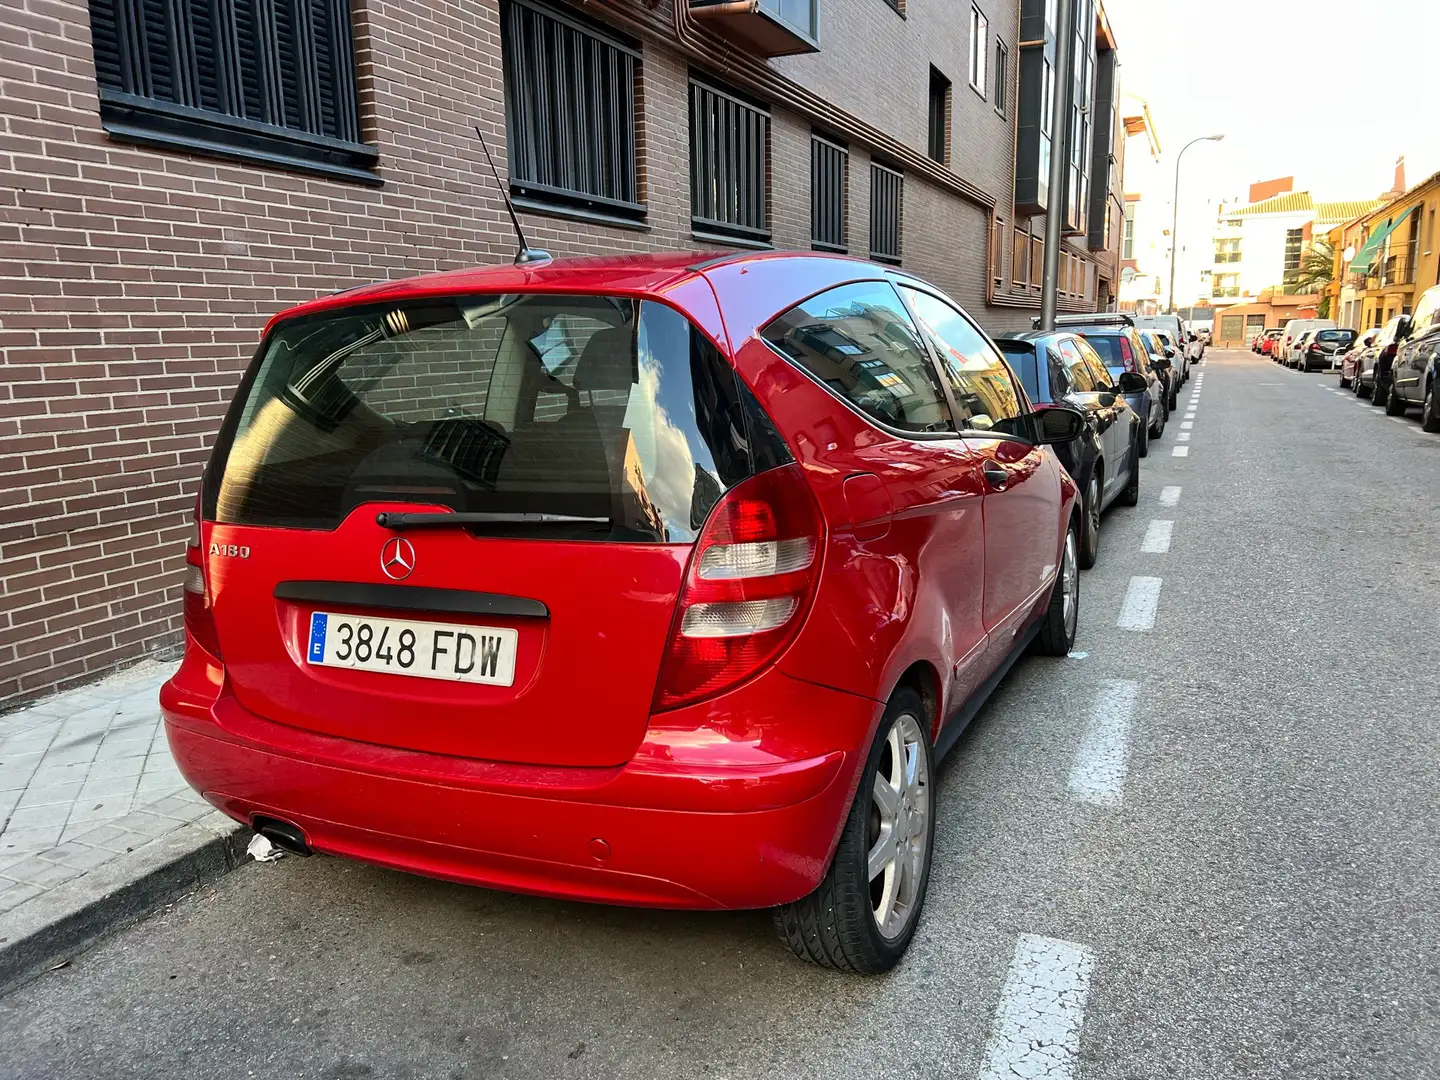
(677, 826)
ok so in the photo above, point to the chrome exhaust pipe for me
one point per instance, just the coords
(284, 835)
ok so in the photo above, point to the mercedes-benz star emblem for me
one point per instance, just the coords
(397, 558)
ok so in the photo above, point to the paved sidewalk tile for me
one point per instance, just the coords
(85, 777)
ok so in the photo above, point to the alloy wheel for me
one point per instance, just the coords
(1092, 506)
(899, 828)
(1070, 584)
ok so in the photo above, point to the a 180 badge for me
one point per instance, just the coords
(230, 551)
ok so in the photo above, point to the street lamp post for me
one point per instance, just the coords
(1175, 213)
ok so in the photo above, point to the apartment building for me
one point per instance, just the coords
(172, 175)
(1389, 257)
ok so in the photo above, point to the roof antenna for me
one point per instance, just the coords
(528, 256)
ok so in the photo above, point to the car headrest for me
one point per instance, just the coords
(608, 362)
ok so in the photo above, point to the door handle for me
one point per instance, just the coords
(996, 476)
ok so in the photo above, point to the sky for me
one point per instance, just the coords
(1329, 91)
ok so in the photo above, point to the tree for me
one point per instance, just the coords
(1317, 268)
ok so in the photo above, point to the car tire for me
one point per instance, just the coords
(1130, 494)
(1430, 412)
(1062, 616)
(1344, 383)
(837, 925)
(1394, 403)
(1174, 402)
(1378, 393)
(1157, 432)
(1090, 516)
(1144, 439)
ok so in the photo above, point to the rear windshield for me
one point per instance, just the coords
(1335, 335)
(564, 417)
(1108, 346)
(1021, 356)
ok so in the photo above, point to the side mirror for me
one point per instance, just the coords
(1131, 382)
(1169, 354)
(1058, 424)
(1403, 327)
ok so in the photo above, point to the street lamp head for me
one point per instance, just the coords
(1214, 138)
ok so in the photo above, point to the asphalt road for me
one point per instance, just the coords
(1227, 826)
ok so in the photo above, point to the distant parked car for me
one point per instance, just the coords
(1416, 367)
(1350, 362)
(1062, 368)
(1375, 372)
(1294, 330)
(1323, 349)
(1117, 341)
(1163, 358)
(1175, 329)
(1267, 344)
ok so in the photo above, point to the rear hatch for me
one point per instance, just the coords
(461, 524)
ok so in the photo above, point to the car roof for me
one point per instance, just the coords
(623, 275)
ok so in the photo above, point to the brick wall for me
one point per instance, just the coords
(134, 282)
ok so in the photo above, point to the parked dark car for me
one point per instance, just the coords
(1061, 368)
(1324, 348)
(1164, 356)
(1117, 341)
(1375, 375)
(1417, 364)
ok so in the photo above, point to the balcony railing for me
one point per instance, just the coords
(1396, 270)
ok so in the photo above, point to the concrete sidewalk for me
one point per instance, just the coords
(96, 823)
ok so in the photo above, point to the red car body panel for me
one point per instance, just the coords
(575, 787)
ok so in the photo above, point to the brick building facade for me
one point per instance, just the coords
(143, 246)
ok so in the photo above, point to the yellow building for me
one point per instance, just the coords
(1395, 256)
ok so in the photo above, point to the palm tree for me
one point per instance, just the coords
(1317, 268)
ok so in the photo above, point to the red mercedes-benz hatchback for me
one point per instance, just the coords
(635, 580)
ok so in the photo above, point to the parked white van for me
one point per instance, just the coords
(1290, 338)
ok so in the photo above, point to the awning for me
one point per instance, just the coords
(1366, 255)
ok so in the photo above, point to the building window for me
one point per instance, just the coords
(979, 46)
(997, 251)
(939, 126)
(1225, 285)
(570, 92)
(1037, 261)
(729, 152)
(1294, 242)
(247, 79)
(1020, 258)
(829, 194)
(1228, 251)
(886, 195)
(1002, 76)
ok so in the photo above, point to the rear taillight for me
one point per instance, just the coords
(749, 583)
(199, 618)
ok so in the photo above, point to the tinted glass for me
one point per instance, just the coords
(1098, 371)
(983, 388)
(1114, 349)
(1081, 378)
(613, 411)
(859, 341)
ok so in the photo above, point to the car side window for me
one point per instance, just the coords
(1079, 372)
(982, 384)
(859, 341)
(1424, 314)
(1098, 371)
(1060, 384)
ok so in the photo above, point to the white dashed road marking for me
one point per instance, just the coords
(1041, 1010)
(1398, 419)
(1157, 537)
(1184, 436)
(1142, 598)
(1180, 451)
(1169, 496)
(1186, 425)
(1103, 758)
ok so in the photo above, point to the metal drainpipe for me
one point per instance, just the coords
(1059, 163)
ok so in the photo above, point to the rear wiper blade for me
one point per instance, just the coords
(446, 520)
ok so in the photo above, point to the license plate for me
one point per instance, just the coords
(426, 650)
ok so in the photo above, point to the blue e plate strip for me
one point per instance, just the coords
(317, 636)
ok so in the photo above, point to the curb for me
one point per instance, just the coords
(53, 927)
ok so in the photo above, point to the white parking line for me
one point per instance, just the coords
(1169, 496)
(1142, 599)
(1157, 537)
(1041, 1010)
(1190, 414)
(1103, 758)
(1184, 436)
(1180, 451)
(1398, 419)
(1186, 425)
